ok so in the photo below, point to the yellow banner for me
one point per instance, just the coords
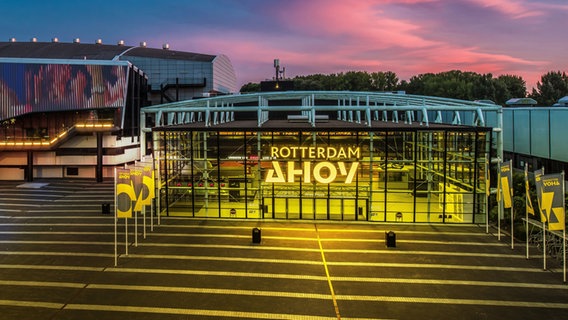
(136, 176)
(148, 183)
(528, 202)
(506, 179)
(552, 195)
(537, 181)
(124, 193)
(487, 178)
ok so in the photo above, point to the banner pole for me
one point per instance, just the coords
(527, 212)
(500, 204)
(144, 219)
(487, 192)
(115, 226)
(564, 226)
(544, 244)
(126, 234)
(512, 226)
(512, 205)
(564, 251)
(136, 228)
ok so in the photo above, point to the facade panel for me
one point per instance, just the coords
(540, 133)
(521, 131)
(508, 131)
(558, 122)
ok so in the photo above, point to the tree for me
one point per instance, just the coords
(509, 86)
(250, 87)
(551, 87)
(384, 81)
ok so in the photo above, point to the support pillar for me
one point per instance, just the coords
(29, 173)
(99, 169)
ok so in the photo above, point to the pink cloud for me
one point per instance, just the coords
(339, 36)
(355, 22)
(513, 8)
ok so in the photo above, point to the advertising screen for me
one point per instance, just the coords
(34, 87)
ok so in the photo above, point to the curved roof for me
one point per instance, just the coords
(355, 107)
(61, 50)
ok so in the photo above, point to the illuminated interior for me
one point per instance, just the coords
(419, 174)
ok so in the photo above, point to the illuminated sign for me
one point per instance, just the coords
(309, 170)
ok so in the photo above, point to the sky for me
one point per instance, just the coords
(525, 38)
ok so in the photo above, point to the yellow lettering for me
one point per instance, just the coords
(292, 172)
(331, 175)
(270, 178)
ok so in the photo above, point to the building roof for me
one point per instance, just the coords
(331, 125)
(313, 109)
(96, 51)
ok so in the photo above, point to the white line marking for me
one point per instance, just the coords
(220, 273)
(210, 258)
(50, 267)
(260, 293)
(225, 246)
(431, 253)
(195, 312)
(499, 303)
(432, 266)
(33, 304)
(51, 253)
(57, 242)
(453, 282)
(42, 284)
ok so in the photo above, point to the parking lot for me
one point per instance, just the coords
(57, 261)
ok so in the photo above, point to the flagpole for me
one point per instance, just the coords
(115, 227)
(487, 193)
(543, 236)
(512, 204)
(500, 204)
(527, 210)
(544, 243)
(126, 234)
(564, 227)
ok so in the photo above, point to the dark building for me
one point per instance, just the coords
(73, 109)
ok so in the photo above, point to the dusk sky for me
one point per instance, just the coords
(409, 37)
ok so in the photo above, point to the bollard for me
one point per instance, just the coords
(390, 239)
(256, 235)
(105, 208)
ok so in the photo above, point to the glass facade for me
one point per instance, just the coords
(419, 175)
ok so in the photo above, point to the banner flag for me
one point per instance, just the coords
(506, 184)
(148, 184)
(487, 178)
(498, 195)
(124, 193)
(537, 181)
(529, 206)
(552, 195)
(136, 176)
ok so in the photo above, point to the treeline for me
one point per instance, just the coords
(450, 84)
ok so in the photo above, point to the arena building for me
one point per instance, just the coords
(325, 156)
(72, 110)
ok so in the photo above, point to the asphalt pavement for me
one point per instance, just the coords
(57, 261)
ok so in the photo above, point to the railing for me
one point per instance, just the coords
(552, 240)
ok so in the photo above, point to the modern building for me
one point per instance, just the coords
(73, 109)
(536, 136)
(325, 155)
